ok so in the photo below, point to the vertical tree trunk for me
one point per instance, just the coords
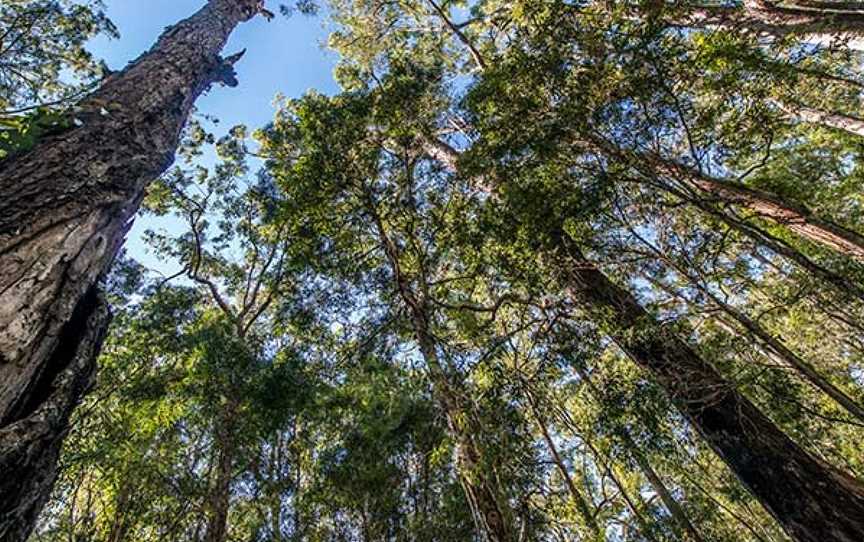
(66, 206)
(812, 501)
(578, 499)
(219, 498)
(669, 501)
(492, 516)
(635, 453)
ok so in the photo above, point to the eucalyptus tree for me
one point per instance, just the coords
(398, 217)
(582, 73)
(67, 203)
(206, 356)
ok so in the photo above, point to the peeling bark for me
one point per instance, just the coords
(68, 202)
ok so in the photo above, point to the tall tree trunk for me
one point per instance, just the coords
(776, 245)
(30, 448)
(578, 499)
(669, 501)
(603, 460)
(66, 206)
(493, 517)
(219, 498)
(635, 453)
(812, 501)
(120, 523)
(774, 346)
(822, 26)
(797, 218)
(838, 121)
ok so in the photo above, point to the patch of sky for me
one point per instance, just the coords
(286, 56)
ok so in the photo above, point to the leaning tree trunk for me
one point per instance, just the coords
(812, 500)
(66, 205)
(797, 218)
(30, 448)
(580, 501)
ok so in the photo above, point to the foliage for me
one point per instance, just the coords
(372, 336)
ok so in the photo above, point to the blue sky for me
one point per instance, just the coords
(286, 56)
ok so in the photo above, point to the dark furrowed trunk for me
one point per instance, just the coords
(66, 205)
(30, 447)
(812, 501)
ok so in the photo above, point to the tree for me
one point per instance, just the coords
(41, 39)
(67, 204)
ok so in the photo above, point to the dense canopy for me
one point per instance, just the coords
(540, 271)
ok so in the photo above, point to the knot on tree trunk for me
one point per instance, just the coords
(248, 8)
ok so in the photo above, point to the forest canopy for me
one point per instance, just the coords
(537, 271)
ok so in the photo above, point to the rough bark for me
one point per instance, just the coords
(68, 202)
(30, 446)
(812, 500)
